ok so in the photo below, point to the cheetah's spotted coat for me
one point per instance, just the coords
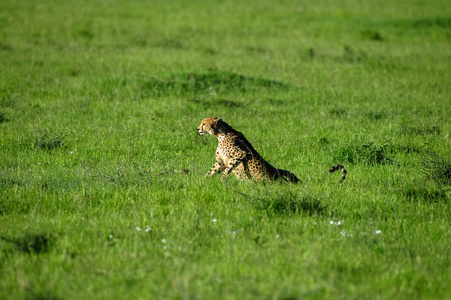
(235, 154)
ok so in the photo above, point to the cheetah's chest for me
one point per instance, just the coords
(252, 166)
(225, 155)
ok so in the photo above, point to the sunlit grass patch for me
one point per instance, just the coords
(99, 154)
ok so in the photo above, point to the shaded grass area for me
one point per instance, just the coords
(217, 81)
(286, 204)
(31, 243)
(426, 195)
(375, 153)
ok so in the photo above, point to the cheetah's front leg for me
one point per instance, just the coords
(218, 167)
(232, 165)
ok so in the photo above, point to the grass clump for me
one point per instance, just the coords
(353, 56)
(436, 168)
(3, 117)
(441, 22)
(42, 295)
(420, 130)
(376, 115)
(49, 140)
(214, 103)
(7, 182)
(372, 35)
(372, 153)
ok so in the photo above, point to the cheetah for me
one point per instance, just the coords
(235, 154)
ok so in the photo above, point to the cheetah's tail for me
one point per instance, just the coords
(343, 172)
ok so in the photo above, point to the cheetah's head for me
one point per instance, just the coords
(209, 126)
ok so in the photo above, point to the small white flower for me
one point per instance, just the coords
(110, 236)
(138, 228)
(163, 240)
(214, 220)
(148, 228)
(338, 223)
(378, 231)
(71, 152)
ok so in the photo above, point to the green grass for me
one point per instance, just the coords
(102, 194)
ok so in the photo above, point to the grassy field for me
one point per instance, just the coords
(102, 194)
